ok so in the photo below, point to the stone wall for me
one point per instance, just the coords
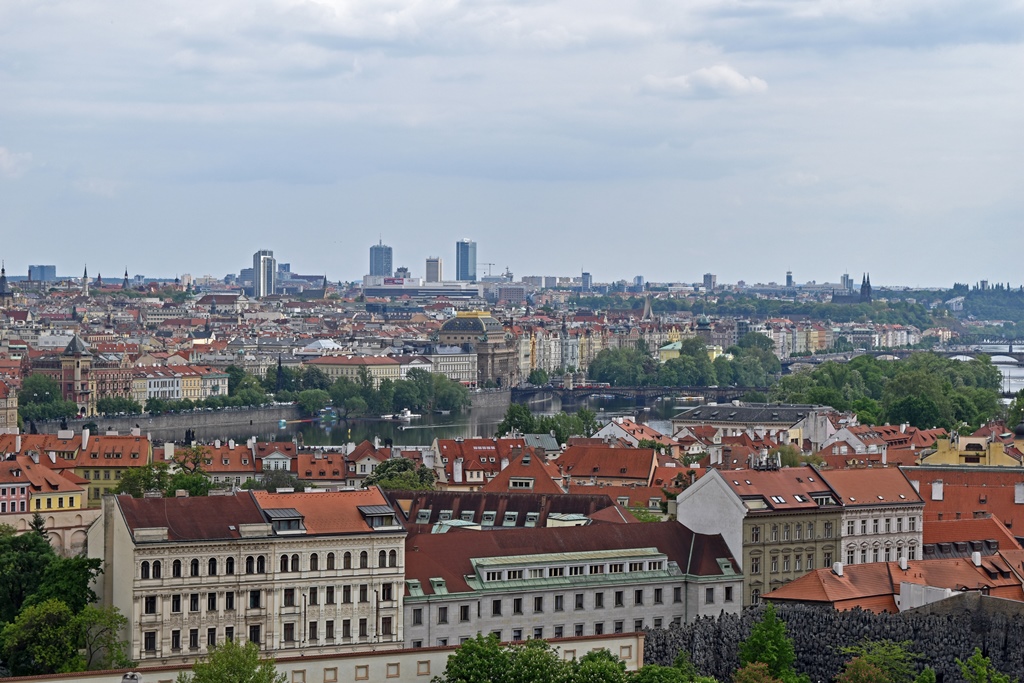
(212, 424)
(940, 634)
(491, 398)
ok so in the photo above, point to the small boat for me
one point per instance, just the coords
(405, 415)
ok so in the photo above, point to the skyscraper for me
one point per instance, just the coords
(587, 282)
(789, 279)
(264, 273)
(710, 281)
(42, 273)
(465, 260)
(380, 260)
(434, 271)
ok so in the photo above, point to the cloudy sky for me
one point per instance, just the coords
(655, 137)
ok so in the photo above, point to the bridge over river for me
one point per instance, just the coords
(641, 395)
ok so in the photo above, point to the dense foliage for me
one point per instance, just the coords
(40, 399)
(47, 624)
(186, 472)
(751, 363)
(421, 391)
(925, 390)
(401, 474)
(234, 662)
(519, 419)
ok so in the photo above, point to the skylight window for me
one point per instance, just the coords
(778, 499)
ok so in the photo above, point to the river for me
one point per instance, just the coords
(480, 422)
(1013, 374)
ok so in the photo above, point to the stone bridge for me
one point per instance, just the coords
(641, 395)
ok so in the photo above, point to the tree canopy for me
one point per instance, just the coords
(236, 663)
(401, 474)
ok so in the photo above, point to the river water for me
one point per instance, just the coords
(1013, 374)
(480, 422)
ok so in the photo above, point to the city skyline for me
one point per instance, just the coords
(739, 140)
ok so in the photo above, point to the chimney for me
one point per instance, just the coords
(903, 563)
(231, 444)
(428, 459)
(169, 450)
(837, 568)
(53, 457)
(1018, 493)
(17, 443)
(181, 493)
(885, 454)
(504, 463)
(85, 439)
(457, 470)
(903, 427)
(376, 442)
(136, 431)
(937, 489)
(976, 558)
(35, 456)
(216, 443)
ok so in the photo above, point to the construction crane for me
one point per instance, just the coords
(489, 266)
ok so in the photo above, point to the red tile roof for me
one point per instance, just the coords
(192, 519)
(327, 512)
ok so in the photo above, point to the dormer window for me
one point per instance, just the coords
(286, 521)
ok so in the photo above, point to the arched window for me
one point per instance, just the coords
(193, 569)
(364, 560)
(145, 570)
(382, 559)
(347, 560)
(249, 565)
(176, 569)
(284, 563)
(229, 565)
(212, 566)
(393, 559)
(261, 565)
(156, 569)
(330, 560)
(314, 562)
(295, 563)
(755, 596)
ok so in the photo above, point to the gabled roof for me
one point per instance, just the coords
(326, 512)
(542, 475)
(608, 463)
(875, 486)
(192, 519)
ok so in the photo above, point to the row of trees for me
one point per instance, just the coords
(752, 364)
(48, 623)
(925, 390)
(421, 391)
(520, 420)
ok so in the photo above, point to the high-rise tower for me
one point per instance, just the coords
(380, 260)
(465, 260)
(434, 270)
(264, 273)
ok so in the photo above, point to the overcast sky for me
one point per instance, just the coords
(664, 138)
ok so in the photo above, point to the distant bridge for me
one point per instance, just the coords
(997, 357)
(641, 395)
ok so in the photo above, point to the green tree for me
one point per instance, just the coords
(891, 658)
(312, 401)
(70, 580)
(926, 676)
(235, 663)
(355, 406)
(537, 376)
(275, 479)
(599, 666)
(978, 669)
(769, 644)
(478, 660)
(1015, 411)
(136, 481)
(40, 398)
(401, 474)
(315, 378)
(235, 375)
(98, 629)
(42, 640)
(754, 672)
(518, 419)
(38, 524)
(23, 561)
(859, 670)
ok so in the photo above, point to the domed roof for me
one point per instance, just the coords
(472, 324)
(1018, 431)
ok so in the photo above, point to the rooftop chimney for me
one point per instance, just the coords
(85, 439)
(903, 563)
(976, 558)
(216, 443)
(17, 443)
(838, 568)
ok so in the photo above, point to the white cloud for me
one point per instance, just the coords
(14, 164)
(720, 80)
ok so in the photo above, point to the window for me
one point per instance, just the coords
(576, 570)
(517, 634)
(775, 564)
(658, 596)
(364, 560)
(193, 569)
(211, 602)
(346, 628)
(899, 524)
(577, 630)
(797, 532)
(417, 616)
(598, 628)
(617, 626)
(912, 551)
(677, 594)
(261, 565)
(785, 563)
(755, 596)
(314, 596)
(176, 640)
(149, 641)
(638, 596)
(211, 637)
(619, 599)
(175, 604)
(329, 596)
(144, 571)
(559, 631)
(347, 560)
(863, 556)
(463, 613)
(229, 600)
(828, 530)
(709, 596)
(284, 564)
(797, 562)
(211, 568)
(599, 600)
(314, 562)
(785, 532)
(295, 563)
(289, 632)
(559, 603)
(863, 526)
(578, 601)
(193, 638)
(538, 604)
(492, 576)
(289, 597)
(755, 565)
(636, 566)
(810, 531)
(828, 559)
(888, 554)
(851, 557)
(254, 599)
(176, 569)
(229, 566)
(330, 561)
(149, 605)
(597, 569)
(515, 574)
(874, 526)
(775, 532)
(329, 629)
(254, 634)
(911, 524)
(393, 558)
(728, 595)
(851, 527)
(312, 630)
(810, 561)
(755, 534)
(638, 624)
(193, 602)
(364, 593)
(888, 525)
(249, 566)
(517, 605)
(382, 559)
(362, 628)
(346, 594)
(616, 568)
(874, 555)
(385, 626)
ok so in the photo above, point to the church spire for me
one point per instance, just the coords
(124, 284)
(85, 280)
